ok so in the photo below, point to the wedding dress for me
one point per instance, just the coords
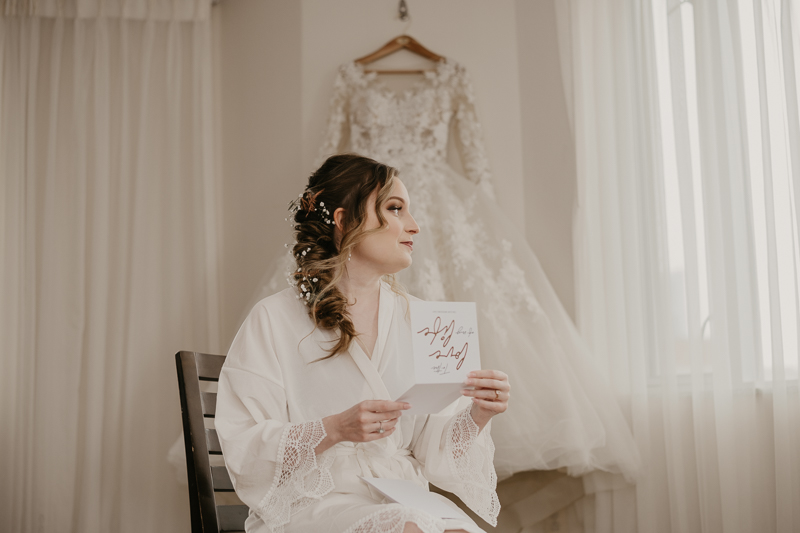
(562, 413)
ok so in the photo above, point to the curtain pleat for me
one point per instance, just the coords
(686, 233)
(109, 230)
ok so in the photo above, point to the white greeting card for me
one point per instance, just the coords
(444, 340)
(410, 494)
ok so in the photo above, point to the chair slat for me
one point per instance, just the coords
(209, 366)
(210, 488)
(231, 518)
(212, 442)
(222, 481)
(209, 401)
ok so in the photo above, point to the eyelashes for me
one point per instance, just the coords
(396, 209)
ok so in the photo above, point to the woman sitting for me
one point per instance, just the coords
(303, 409)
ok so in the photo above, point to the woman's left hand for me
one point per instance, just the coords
(490, 396)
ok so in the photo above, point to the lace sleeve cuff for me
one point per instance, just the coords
(472, 465)
(301, 476)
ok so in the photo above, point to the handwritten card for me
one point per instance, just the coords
(445, 349)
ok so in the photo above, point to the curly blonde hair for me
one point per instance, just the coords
(346, 181)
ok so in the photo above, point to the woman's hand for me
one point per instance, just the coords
(490, 396)
(362, 423)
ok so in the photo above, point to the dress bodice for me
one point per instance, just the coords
(408, 129)
(403, 125)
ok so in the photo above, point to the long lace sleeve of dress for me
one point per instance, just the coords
(469, 133)
(471, 463)
(336, 132)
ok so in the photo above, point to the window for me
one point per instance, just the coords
(764, 211)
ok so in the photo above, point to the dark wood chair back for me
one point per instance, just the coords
(209, 515)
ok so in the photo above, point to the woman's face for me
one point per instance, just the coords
(389, 250)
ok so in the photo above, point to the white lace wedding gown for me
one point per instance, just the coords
(562, 413)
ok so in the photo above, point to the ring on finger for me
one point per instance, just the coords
(496, 395)
(380, 426)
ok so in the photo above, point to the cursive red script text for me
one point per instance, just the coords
(459, 355)
(446, 331)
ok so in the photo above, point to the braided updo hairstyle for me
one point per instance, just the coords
(345, 181)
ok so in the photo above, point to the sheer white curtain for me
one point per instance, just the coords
(109, 237)
(686, 121)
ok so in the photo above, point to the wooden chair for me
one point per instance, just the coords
(209, 513)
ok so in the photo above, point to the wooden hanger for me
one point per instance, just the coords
(399, 43)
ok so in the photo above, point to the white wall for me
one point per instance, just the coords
(278, 64)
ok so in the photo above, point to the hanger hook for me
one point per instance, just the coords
(408, 25)
(402, 10)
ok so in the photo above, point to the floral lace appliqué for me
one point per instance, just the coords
(301, 476)
(473, 466)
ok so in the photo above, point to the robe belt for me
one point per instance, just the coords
(373, 459)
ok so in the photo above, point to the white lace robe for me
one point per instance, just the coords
(272, 397)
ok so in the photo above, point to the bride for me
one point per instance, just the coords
(564, 414)
(302, 406)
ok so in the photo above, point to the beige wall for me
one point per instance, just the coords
(260, 56)
(549, 150)
(278, 60)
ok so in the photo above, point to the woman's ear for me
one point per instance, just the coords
(338, 218)
(338, 224)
